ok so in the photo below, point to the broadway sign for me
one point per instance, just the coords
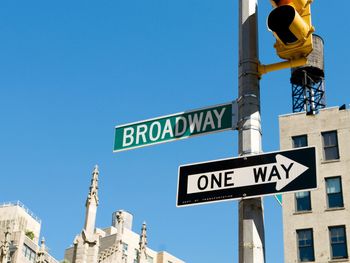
(176, 126)
(247, 177)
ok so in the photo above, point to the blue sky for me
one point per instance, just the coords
(72, 70)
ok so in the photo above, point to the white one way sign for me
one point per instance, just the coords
(282, 173)
(247, 176)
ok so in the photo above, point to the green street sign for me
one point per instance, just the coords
(176, 126)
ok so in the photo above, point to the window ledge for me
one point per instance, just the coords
(302, 212)
(334, 209)
(330, 161)
(339, 260)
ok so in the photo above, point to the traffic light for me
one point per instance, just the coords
(290, 22)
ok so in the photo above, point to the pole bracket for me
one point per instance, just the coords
(293, 63)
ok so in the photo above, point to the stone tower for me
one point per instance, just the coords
(86, 244)
(142, 257)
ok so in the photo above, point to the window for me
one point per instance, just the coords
(29, 253)
(125, 252)
(136, 255)
(125, 247)
(305, 245)
(299, 141)
(330, 145)
(303, 201)
(334, 192)
(338, 242)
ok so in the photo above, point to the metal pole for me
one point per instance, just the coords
(251, 219)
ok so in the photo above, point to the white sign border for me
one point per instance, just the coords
(249, 197)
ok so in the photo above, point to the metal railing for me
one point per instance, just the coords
(20, 204)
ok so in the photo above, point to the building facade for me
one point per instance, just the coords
(316, 223)
(114, 244)
(19, 236)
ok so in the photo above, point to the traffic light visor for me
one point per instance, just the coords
(290, 23)
(281, 2)
(280, 20)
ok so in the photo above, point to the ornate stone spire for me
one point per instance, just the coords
(120, 231)
(115, 253)
(120, 223)
(93, 193)
(86, 244)
(41, 255)
(143, 244)
(42, 245)
(91, 204)
(5, 246)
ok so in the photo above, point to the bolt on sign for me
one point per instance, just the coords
(176, 126)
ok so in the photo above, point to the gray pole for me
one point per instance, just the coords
(251, 219)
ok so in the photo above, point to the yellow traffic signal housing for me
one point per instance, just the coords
(290, 23)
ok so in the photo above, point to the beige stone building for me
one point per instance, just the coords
(19, 236)
(317, 223)
(114, 244)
